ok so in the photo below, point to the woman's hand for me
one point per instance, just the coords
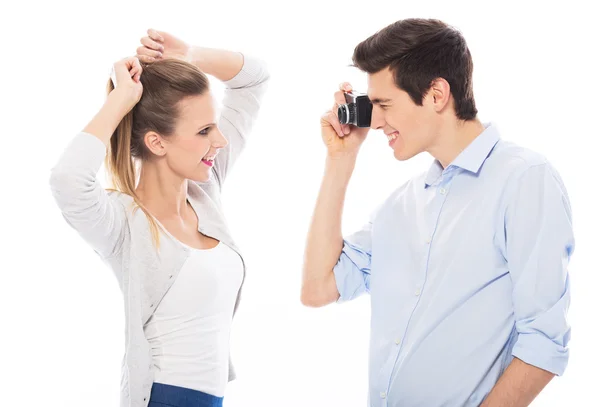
(126, 81)
(161, 45)
(126, 92)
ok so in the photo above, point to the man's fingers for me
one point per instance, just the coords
(339, 97)
(333, 121)
(340, 100)
(345, 87)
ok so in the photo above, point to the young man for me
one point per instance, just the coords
(466, 264)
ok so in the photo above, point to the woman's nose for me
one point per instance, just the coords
(220, 141)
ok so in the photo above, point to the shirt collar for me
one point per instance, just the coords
(471, 158)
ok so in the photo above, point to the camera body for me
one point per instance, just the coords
(357, 110)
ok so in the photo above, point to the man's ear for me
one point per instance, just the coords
(439, 94)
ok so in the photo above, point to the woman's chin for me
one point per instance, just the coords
(200, 177)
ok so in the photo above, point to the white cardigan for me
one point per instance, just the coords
(122, 237)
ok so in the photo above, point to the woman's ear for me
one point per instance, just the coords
(155, 143)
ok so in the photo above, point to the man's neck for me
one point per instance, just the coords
(453, 138)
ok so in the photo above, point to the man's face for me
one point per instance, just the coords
(410, 128)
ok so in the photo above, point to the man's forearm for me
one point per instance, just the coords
(518, 386)
(221, 64)
(324, 243)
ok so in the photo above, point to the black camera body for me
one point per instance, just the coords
(357, 110)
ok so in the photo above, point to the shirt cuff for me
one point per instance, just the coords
(542, 352)
(338, 276)
(349, 278)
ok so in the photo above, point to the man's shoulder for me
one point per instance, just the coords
(515, 164)
(513, 157)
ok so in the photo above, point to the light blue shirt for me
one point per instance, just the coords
(466, 268)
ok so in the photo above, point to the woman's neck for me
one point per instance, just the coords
(161, 191)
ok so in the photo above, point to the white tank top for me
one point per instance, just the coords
(189, 330)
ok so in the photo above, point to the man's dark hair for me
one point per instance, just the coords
(418, 51)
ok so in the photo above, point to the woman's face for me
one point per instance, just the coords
(191, 150)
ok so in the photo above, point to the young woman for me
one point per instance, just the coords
(161, 229)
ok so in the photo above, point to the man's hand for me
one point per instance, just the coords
(341, 140)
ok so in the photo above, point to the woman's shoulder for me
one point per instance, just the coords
(116, 194)
(130, 208)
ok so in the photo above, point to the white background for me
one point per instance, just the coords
(62, 332)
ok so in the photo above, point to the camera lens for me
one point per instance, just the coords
(347, 113)
(343, 115)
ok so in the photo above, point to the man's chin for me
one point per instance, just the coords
(403, 155)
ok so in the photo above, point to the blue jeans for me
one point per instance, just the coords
(165, 395)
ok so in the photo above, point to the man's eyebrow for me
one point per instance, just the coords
(379, 101)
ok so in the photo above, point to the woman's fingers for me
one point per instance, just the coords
(155, 35)
(151, 44)
(146, 59)
(136, 69)
(129, 67)
(142, 50)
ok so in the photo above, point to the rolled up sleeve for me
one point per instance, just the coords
(539, 244)
(353, 269)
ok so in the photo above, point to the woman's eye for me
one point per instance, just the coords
(205, 131)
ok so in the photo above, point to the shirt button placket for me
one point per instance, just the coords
(383, 396)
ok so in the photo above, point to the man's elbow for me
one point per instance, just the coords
(311, 300)
(316, 295)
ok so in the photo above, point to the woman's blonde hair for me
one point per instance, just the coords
(166, 83)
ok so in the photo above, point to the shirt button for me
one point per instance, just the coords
(418, 292)
(382, 394)
(398, 341)
(428, 240)
(443, 191)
